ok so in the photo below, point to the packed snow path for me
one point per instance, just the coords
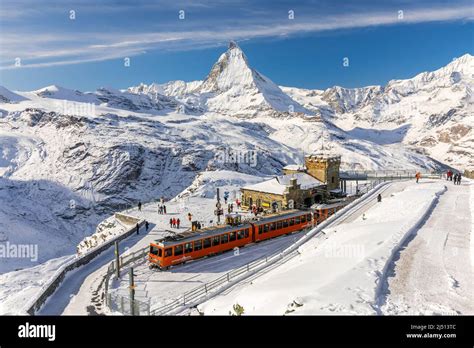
(434, 274)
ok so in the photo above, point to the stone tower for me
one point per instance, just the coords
(325, 168)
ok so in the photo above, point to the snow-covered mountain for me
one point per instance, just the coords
(231, 88)
(432, 112)
(110, 148)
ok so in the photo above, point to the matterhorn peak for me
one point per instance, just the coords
(233, 44)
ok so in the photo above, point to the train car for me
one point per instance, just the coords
(213, 240)
(274, 226)
(208, 241)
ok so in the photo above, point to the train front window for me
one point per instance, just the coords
(188, 247)
(178, 250)
(215, 241)
(207, 242)
(153, 250)
(168, 252)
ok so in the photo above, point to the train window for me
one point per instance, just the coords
(303, 218)
(260, 229)
(279, 224)
(153, 250)
(168, 252)
(308, 217)
(292, 222)
(297, 220)
(224, 238)
(246, 233)
(178, 250)
(232, 236)
(188, 247)
(266, 228)
(197, 245)
(285, 223)
(240, 235)
(215, 240)
(207, 242)
(273, 226)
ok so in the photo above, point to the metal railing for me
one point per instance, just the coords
(117, 302)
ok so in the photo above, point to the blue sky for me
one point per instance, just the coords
(306, 51)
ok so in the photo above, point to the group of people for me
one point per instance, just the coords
(162, 209)
(174, 223)
(456, 178)
(137, 228)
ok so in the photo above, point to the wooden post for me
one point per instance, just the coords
(132, 291)
(117, 260)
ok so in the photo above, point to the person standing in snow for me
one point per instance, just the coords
(190, 217)
(164, 209)
(174, 222)
(146, 225)
(138, 228)
(177, 223)
(379, 198)
(449, 175)
(171, 223)
(455, 179)
(459, 179)
(139, 206)
(417, 176)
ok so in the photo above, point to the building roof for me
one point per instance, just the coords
(278, 184)
(296, 167)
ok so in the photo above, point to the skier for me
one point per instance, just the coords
(139, 206)
(177, 223)
(171, 223)
(379, 198)
(146, 225)
(138, 228)
(417, 176)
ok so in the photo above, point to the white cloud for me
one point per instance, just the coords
(41, 50)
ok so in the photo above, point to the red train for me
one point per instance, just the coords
(214, 240)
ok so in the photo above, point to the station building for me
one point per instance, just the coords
(299, 186)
